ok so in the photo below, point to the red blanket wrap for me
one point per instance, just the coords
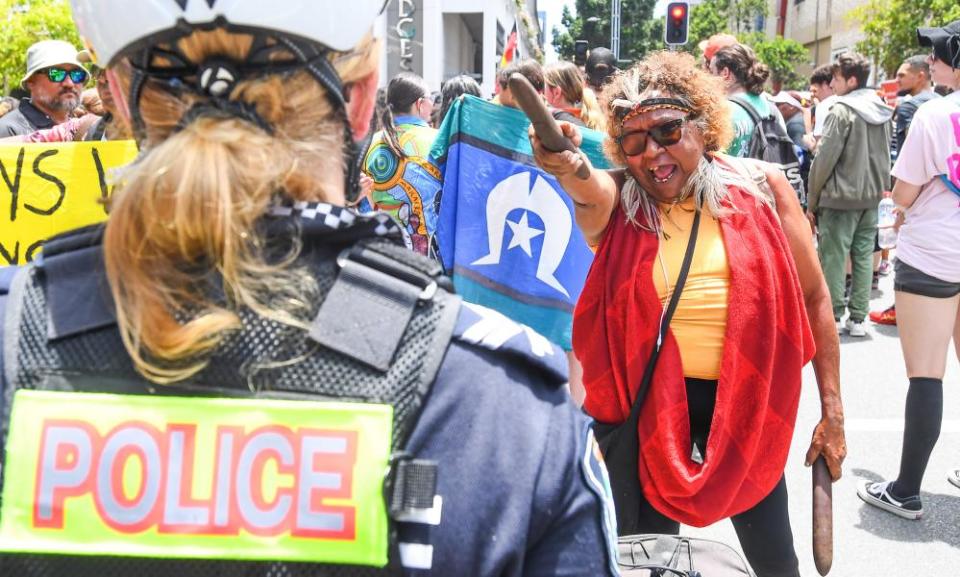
(768, 341)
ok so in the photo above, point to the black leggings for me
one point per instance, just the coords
(764, 531)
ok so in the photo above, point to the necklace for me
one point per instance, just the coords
(667, 209)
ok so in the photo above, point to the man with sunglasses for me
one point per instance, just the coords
(54, 79)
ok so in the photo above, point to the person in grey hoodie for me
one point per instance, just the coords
(847, 180)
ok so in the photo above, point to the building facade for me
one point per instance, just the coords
(439, 39)
(826, 27)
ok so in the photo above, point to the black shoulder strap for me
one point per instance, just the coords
(665, 322)
(384, 285)
(745, 104)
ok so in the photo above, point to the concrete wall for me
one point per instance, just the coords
(460, 47)
(825, 27)
(447, 44)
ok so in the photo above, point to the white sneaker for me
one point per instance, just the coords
(856, 329)
(876, 494)
(839, 327)
(954, 477)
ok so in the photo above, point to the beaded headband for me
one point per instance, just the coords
(626, 109)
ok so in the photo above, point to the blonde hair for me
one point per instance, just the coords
(566, 76)
(590, 112)
(189, 208)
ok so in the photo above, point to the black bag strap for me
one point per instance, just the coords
(665, 323)
(745, 104)
(752, 113)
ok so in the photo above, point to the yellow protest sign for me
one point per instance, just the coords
(46, 189)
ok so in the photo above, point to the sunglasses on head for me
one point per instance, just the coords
(57, 74)
(665, 134)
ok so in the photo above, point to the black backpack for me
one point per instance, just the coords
(771, 143)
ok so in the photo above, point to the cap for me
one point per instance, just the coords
(716, 42)
(944, 41)
(792, 98)
(600, 63)
(48, 53)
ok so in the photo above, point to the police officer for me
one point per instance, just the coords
(229, 268)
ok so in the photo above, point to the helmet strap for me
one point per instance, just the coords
(216, 77)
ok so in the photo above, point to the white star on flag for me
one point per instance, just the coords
(522, 234)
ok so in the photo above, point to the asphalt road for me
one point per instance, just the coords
(869, 542)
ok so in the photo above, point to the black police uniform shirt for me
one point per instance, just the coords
(521, 487)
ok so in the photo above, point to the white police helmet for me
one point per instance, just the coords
(301, 32)
(112, 27)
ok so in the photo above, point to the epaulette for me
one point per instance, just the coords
(489, 329)
(78, 295)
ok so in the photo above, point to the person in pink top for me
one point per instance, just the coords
(68, 131)
(927, 282)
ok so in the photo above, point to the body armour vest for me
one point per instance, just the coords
(61, 335)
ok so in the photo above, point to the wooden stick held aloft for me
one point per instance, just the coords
(543, 122)
(822, 517)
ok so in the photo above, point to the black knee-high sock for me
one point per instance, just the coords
(921, 429)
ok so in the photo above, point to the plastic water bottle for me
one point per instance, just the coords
(885, 221)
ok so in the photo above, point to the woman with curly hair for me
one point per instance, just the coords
(748, 308)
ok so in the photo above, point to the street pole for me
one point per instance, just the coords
(816, 35)
(615, 29)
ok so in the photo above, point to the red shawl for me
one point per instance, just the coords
(768, 341)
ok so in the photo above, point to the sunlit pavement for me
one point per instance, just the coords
(869, 542)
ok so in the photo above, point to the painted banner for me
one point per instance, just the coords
(46, 189)
(212, 478)
(506, 229)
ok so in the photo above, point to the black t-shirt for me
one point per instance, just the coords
(905, 111)
(571, 118)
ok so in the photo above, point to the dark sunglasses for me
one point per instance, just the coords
(57, 74)
(666, 134)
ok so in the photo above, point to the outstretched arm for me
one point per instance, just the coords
(828, 436)
(593, 198)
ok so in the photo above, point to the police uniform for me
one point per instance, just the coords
(519, 490)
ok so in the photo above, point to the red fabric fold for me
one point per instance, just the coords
(768, 341)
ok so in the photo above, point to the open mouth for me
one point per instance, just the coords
(663, 173)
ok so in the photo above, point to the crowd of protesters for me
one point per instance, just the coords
(686, 132)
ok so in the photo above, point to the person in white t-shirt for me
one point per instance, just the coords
(927, 282)
(822, 92)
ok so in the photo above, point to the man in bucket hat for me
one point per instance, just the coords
(54, 79)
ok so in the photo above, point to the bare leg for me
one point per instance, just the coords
(956, 334)
(926, 325)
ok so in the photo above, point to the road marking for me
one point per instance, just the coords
(892, 426)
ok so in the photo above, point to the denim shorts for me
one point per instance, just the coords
(910, 280)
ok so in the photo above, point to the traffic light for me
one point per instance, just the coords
(678, 20)
(580, 48)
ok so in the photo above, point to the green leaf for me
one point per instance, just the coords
(26, 23)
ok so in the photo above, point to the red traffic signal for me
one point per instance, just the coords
(678, 20)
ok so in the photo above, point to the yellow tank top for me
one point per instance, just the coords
(700, 321)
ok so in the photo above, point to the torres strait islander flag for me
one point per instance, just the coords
(506, 229)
